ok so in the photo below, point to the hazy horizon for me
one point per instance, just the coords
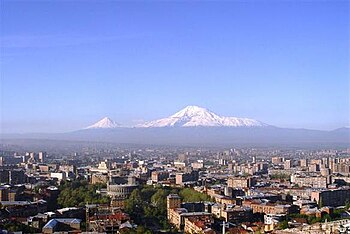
(67, 64)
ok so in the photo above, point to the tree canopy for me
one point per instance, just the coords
(79, 193)
(190, 195)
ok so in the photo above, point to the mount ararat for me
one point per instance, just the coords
(190, 116)
(198, 126)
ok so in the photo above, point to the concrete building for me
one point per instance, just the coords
(241, 182)
(104, 166)
(314, 167)
(334, 198)
(287, 164)
(277, 160)
(237, 214)
(119, 193)
(22, 209)
(310, 181)
(201, 224)
(157, 176)
(269, 208)
(99, 178)
(303, 162)
(197, 165)
(16, 176)
(179, 165)
(339, 226)
(8, 193)
(42, 156)
(181, 178)
(177, 215)
(119, 189)
(58, 175)
(173, 202)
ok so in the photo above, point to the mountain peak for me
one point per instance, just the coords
(191, 111)
(106, 122)
(195, 116)
(106, 119)
(194, 108)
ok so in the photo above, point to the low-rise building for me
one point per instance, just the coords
(237, 214)
(62, 225)
(177, 215)
(201, 224)
(271, 208)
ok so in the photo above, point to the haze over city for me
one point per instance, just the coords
(68, 64)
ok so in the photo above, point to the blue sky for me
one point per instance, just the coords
(66, 64)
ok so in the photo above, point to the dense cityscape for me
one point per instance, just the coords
(131, 189)
(175, 117)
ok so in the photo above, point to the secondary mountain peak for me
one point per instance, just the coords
(195, 116)
(106, 122)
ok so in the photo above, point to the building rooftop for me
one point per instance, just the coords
(21, 203)
(53, 222)
(195, 214)
(173, 196)
(67, 209)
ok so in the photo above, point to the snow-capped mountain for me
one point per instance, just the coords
(104, 123)
(213, 130)
(194, 116)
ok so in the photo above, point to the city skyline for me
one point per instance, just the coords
(66, 65)
(209, 117)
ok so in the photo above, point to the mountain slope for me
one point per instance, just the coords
(104, 123)
(194, 116)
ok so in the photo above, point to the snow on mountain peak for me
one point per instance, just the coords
(104, 123)
(192, 116)
(190, 111)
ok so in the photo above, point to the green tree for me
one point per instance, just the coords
(158, 202)
(312, 220)
(159, 198)
(134, 205)
(283, 225)
(147, 193)
(14, 226)
(142, 230)
(326, 217)
(347, 204)
(190, 195)
(78, 193)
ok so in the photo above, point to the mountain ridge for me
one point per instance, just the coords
(198, 126)
(195, 116)
(190, 116)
